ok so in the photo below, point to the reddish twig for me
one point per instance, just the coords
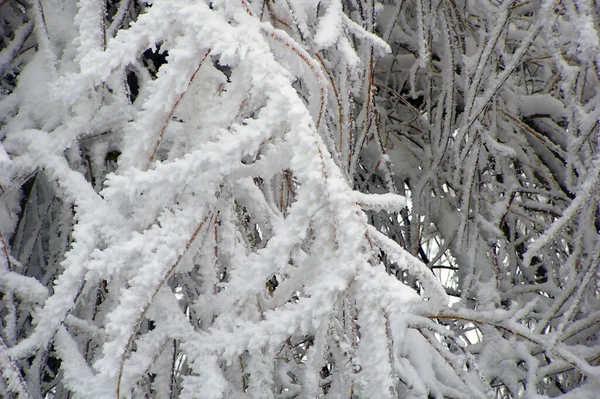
(168, 119)
(337, 99)
(141, 316)
(301, 53)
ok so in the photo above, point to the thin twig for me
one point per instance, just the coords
(288, 42)
(162, 282)
(568, 357)
(168, 119)
(337, 99)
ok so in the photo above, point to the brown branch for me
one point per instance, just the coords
(337, 99)
(141, 316)
(510, 201)
(273, 16)
(305, 57)
(301, 53)
(544, 140)
(11, 374)
(244, 375)
(281, 187)
(5, 250)
(535, 340)
(355, 150)
(168, 119)
(247, 7)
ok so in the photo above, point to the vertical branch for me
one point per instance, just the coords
(338, 101)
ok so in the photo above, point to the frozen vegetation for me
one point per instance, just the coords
(299, 199)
